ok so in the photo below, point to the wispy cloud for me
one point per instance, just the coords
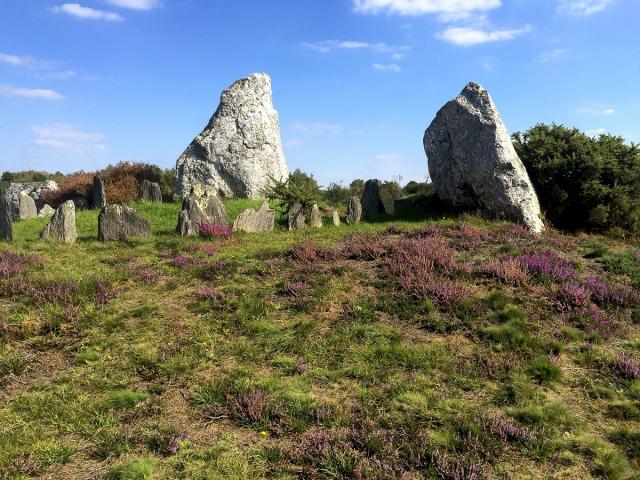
(33, 93)
(449, 10)
(328, 46)
(469, 36)
(294, 143)
(552, 55)
(87, 13)
(598, 112)
(68, 138)
(318, 127)
(387, 67)
(136, 4)
(584, 7)
(25, 61)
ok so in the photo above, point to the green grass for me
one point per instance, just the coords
(243, 363)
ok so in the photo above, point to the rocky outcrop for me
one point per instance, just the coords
(116, 222)
(473, 164)
(62, 227)
(295, 217)
(33, 189)
(150, 192)
(99, 196)
(6, 218)
(335, 218)
(354, 210)
(26, 207)
(240, 148)
(372, 205)
(251, 221)
(201, 210)
(315, 219)
(46, 211)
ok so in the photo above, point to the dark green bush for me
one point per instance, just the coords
(298, 188)
(583, 182)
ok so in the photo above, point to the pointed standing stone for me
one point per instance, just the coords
(6, 218)
(196, 211)
(296, 217)
(354, 210)
(99, 197)
(62, 227)
(150, 192)
(372, 205)
(27, 207)
(251, 221)
(335, 218)
(46, 211)
(316, 217)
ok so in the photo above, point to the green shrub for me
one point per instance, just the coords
(583, 182)
(298, 188)
(628, 438)
(542, 370)
(124, 399)
(139, 469)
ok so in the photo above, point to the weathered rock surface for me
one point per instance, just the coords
(296, 217)
(6, 218)
(99, 196)
(27, 207)
(372, 205)
(62, 227)
(251, 221)
(46, 211)
(354, 210)
(33, 189)
(150, 192)
(315, 217)
(473, 164)
(335, 218)
(117, 222)
(240, 148)
(201, 210)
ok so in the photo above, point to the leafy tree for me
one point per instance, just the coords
(298, 188)
(583, 182)
(336, 194)
(356, 188)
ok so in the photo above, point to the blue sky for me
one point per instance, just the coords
(356, 82)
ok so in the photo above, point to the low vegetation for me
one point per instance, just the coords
(438, 347)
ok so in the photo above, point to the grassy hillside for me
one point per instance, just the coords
(446, 348)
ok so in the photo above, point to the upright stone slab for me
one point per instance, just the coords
(27, 207)
(354, 210)
(46, 211)
(473, 164)
(196, 211)
(251, 221)
(240, 148)
(117, 222)
(372, 205)
(335, 218)
(62, 227)
(6, 218)
(99, 196)
(150, 192)
(316, 217)
(296, 217)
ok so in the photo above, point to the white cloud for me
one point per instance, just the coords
(596, 132)
(387, 67)
(318, 128)
(327, 46)
(136, 4)
(552, 55)
(34, 93)
(599, 112)
(584, 7)
(77, 10)
(68, 138)
(448, 9)
(25, 61)
(468, 36)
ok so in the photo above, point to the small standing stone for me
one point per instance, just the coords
(251, 221)
(27, 207)
(296, 217)
(354, 210)
(62, 227)
(6, 217)
(316, 217)
(196, 211)
(372, 205)
(46, 211)
(150, 192)
(99, 199)
(116, 222)
(335, 218)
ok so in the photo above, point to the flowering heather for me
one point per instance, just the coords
(294, 288)
(548, 265)
(181, 261)
(599, 289)
(617, 293)
(249, 407)
(577, 295)
(364, 247)
(456, 467)
(214, 269)
(428, 232)
(393, 229)
(508, 431)
(174, 444)
(507, 269)
(104, 294)
(314, 444)
(306, 251)
(627, 367)
(13, 264)
(147, 274)
(601, 323)
(208, 250)
(215, 231)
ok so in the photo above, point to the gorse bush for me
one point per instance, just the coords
(583, 182)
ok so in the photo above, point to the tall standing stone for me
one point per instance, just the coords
(296, 217)
(240, 148)
(315, 217)
(62, 227)
(150, 192)
(117, 222)
(335, 218)
(473, 164)
(6, 217)
(354, 210)
(27, 207)
(201, 210)
(251, 221)
(372, 205)
(99, 197)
